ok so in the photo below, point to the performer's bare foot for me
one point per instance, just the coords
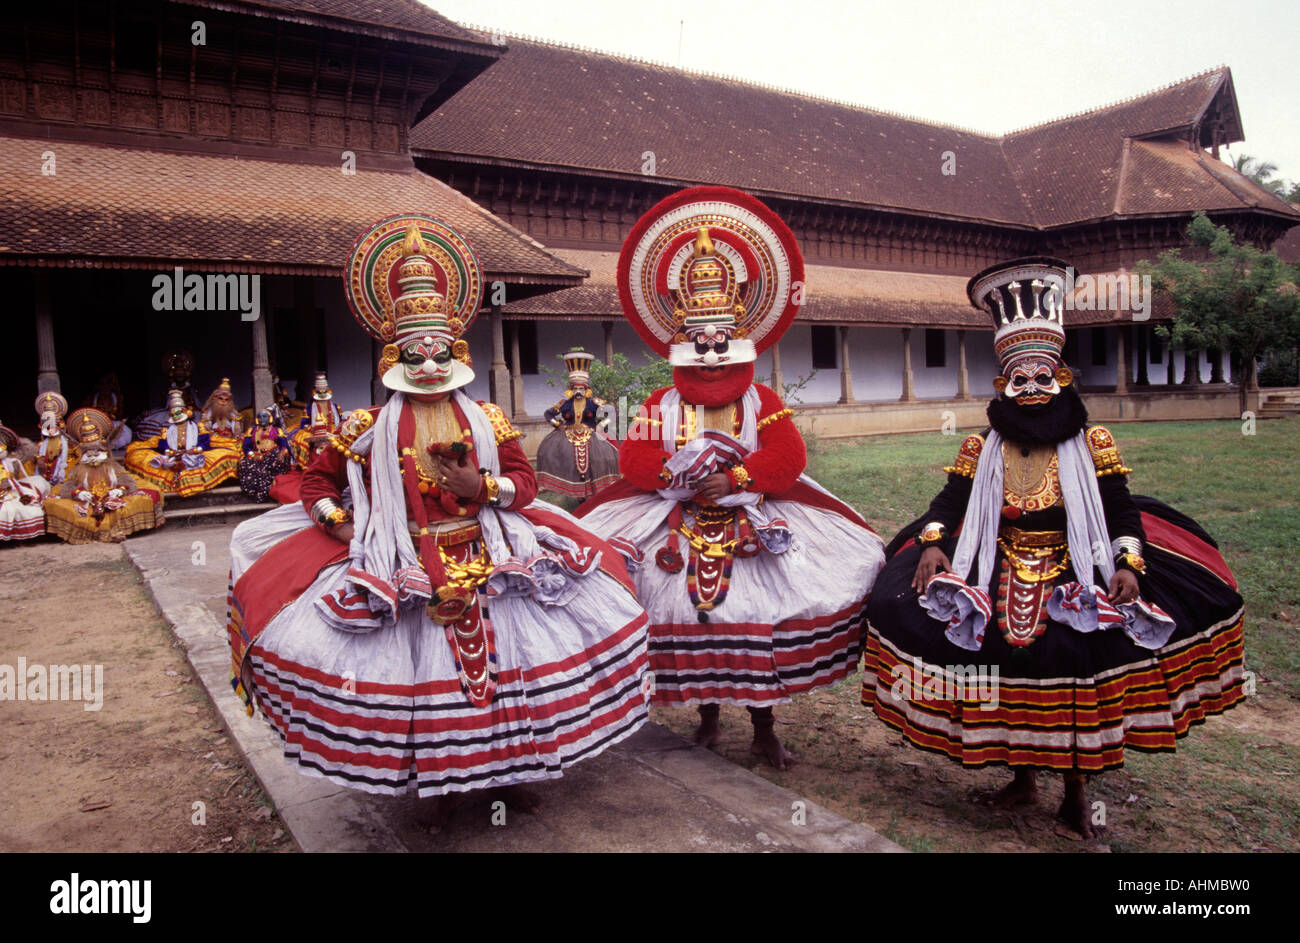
(765, 742)
(1022, 790)
(518, 799)
(709, 732)
(441, 809)
(1075, 810)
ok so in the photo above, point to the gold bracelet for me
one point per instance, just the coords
(493, 489)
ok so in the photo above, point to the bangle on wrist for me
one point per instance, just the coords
(932, 534)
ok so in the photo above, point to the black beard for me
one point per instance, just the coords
(1047, 424)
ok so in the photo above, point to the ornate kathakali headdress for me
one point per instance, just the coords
(1026, 299)
(710, 276)
(578, 363)
(415, 284)
(51, 407)
(177, 409)
(90, 428)
(321, 388)
(8, 438)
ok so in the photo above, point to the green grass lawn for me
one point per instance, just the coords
(1240, 488)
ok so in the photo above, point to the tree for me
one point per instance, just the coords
(1231, 296)
(621, 379)
(1263, 172)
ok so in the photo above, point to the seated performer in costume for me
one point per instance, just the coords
(220, 419)
(99, 501)
(178, 364)
(183, 461)
(21, 494)
(107, 398)
(55, 454)
(429, 629)
(755, 577)
(576, 460)
(1105, 620)
(286, 487)
(320, 422)
(266, 457)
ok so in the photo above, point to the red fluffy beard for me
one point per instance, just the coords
(700, 388)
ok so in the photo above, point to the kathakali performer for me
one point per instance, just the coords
(320, 422)
(99, 500)
(55, 454)
(1039, 616)
(178, 364)
(182, 460)
(220, 419)
(21, 494)
(755, 577)
(418, 624)
(576, 460)
(266, 457)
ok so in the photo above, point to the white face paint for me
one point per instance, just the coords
(96, 455)
(1032, 381)
(427, 362)
(50, 425)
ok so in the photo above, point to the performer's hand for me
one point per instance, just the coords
(933, 562)
(715, 486)
(463, 481)
(342, 532)
(1123, 587)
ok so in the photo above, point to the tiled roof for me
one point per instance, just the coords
(409, 16)
(570, 109)
(835, 294)
(563, 107)
(125, 207)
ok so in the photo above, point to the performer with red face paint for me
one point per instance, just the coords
(755, 577)
(419, 624)
(1117, 621)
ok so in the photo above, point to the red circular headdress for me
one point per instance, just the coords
(374, 266)
(763, 265)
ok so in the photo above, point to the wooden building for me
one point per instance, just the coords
(260, 137)
(893, 214)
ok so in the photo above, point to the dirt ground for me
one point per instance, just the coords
(152, 770)
(1232, 786)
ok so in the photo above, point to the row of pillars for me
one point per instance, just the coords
(1191, 364)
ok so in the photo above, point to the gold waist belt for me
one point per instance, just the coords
(449, 533)
(1033, 539)
(1037, 556)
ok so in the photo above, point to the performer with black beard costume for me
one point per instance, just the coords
(1130, 649)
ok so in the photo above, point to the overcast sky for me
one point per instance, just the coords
(989, 65)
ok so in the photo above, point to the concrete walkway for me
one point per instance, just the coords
(653, 792)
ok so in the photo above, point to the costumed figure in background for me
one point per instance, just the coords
(55, 454)
(266, 457)
(220, 419)
(755, 577)
(21, 494)
(183, 460)
(178, 364)
(1105, 620)
(286, 488)
(428, 628)
(576, 460)
(107, 398)
(321, 421)
(99, 501)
